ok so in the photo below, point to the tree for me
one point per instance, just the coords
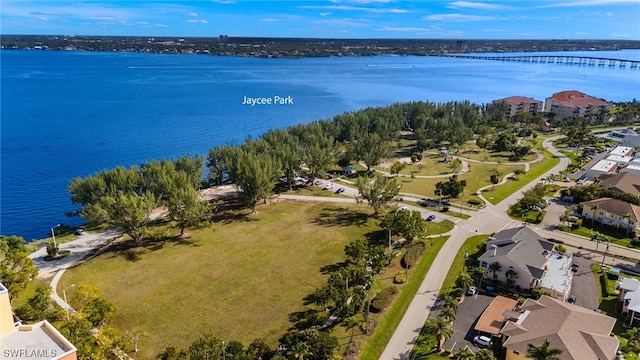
(16, 268)
(256, 174)
(130, 212)
(300, 350)
(520, 151)
(464, 281)
(40, 307)
(378, 192)
(356, 250)
(479, 273)
(222, 164)
(543, 351)
(99, 311)
(448, 313)
(464, 354)
(258, 349)
(351, 323)
(173, 353)
(135, 335)
(287, 150)
(633, 340)
(409, 224)
(485, 354)
(439, 328)
(594, 212)
(397, 167)
(452, 187)
(494, 268)
(455, 165)
(511, 277)
(184, 204)
(370, 148)
(206, 347)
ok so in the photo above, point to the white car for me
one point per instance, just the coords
(482, 341)
(404, 208)
(327, 187)
(472, 290)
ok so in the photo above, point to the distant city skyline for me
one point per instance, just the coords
(570, 19)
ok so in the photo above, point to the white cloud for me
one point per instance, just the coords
(224, 2)
(582, 33)
(192, 14)
(589, 3)
(459, 17)
(476, 5)
(325, 14)
(160, 25)
(201, 21)
(269, 20)
(352, 8)
(618, 35)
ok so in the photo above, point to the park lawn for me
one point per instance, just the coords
(439, 227)
(60, 239)
(472, 151)
(477, 177)
(388, 321)
(503, 191)
(240, 279)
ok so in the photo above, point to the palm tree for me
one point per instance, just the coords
(597, 237)
(633, 344)
(451, 302)
(352, 323)
(485, 354)
(594, 209)
(465, 281)
(628, 217)
(440, 329)
(511, 277)
(479, 273)
(494, 268)
(464, 354)
(300, 350)
(448, 313)
(543, 351)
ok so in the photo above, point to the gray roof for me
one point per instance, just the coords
(523, 246)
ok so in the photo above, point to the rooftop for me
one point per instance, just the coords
(516, 100)
(576, 98)
(624, 181)
(581, 334)
(40, 340)
(622, 151)
(620, 158)
(614, 206)
(605, 166)
(632, 287)
(557, 276)
(492, 317)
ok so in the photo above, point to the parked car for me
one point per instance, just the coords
(431, 217)
(571, 299)
(472, 290)
(327, 187)
(482, 341)
(318, 182)
(575, 266)
(340, 190)
(80, 232)
(404, 208)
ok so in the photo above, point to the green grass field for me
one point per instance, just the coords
(239, 279)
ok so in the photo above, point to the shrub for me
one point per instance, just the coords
(400, 278)
(474, 202)
(444, 209)
(411, 256)
(383, 298)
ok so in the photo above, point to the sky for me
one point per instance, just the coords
(434, 19)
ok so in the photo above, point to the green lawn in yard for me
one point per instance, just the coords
(501, 192)
(439, 227)
(607, 233)
(239, 279)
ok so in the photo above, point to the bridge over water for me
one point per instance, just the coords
(553, 59)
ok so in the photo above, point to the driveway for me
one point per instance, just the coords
(468, 313)
(584, 283)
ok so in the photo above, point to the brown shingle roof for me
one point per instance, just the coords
(625, 182)
(516, 100)
(492, 318)
(615, 206)
(580, 333)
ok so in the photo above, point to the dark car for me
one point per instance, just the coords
(431, 217)
(340, 190)
(571, 299)
(575, 266)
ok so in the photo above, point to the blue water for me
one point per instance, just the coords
(69, 114)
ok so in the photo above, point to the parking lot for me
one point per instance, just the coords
(584, 284)
(468, 313)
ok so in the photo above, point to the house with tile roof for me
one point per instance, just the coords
(34, 341)
(521, 104)
(567, 104)
(626, 182)
(532, 258)
(630, 298)
(580, 333)
(495, 315)
(612, 212)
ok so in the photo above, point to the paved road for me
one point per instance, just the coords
(491, 219)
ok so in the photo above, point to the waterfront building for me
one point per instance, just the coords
(567, 104)
(521, 104)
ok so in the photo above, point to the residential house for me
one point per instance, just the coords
(600, 168)
(495, 315)
(625, 182)
(612, 212)
(633, 167)
(581, 334)
(622, 151)
(630, 297)
(521, 251)
(626, 137)
(34, 341)
(521, 104)
(567, 104)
